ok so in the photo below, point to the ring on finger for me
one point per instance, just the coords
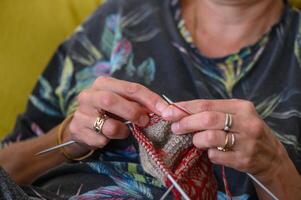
(224, 148)
(99, 122)
(228, 122)
(229, 143)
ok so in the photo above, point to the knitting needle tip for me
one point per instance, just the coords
(65, 144)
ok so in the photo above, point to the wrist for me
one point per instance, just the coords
(275, 166)
(282, 177)
(74, 152)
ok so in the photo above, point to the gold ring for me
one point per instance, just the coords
(99, 122)
(232, 141)
(229, 143)
(224, 148)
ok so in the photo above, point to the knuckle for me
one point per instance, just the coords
(76, 116)
(196, 140)
(211, 155)
(133, 113)
(209, 119)
(248, 106)
(83, 96)
(204, 105)
(210, 137)
(133, 88)
(101, 80)
(106, 99)
(257, 128)
(152, 98)
(238, 101)
(111, 129)
(183, 124)
(73, 128)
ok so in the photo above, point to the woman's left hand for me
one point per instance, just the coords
(256, 150)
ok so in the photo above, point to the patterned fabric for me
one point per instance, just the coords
(140, 41)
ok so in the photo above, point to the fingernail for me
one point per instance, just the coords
(143, 120)
(167, 112)
(175, 127)
(160, 106)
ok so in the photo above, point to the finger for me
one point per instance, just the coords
(203, 121)
(133, 91)
(228, 158)
(92, 139)
(117, 105)
(112, 128)
(172, 113)
(86, 136)
(209, 139)
(89, 110)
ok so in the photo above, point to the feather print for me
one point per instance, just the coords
(297, 45)
(266, 109)
(47, 103)
(109, 192)
(117, 54)
(123, 179)
(65, 83)
(268, 105)
(290, 140)
(46, 91)
(44, 106)
(286, 114)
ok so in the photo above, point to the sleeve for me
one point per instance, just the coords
(74, 66)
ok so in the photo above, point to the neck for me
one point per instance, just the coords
(222, 27)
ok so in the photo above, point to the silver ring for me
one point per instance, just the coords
(99, 122)
(228, 122)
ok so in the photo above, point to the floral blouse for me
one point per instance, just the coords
(147, 42)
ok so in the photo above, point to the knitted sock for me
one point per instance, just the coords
(163, 152)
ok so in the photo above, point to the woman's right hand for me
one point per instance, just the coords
(126, 100)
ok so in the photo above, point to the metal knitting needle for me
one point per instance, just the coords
(262, 186)
(64, 144)
(170, 102)
(55, 147)
(172, 180)
(176, 185)
(187, 112)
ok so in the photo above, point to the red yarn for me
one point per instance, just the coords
(193, 171)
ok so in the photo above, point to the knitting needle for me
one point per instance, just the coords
(176, 185)
(55, 147)
(63, 145)
(172, 180)
(262, 186)
(170, 102)
(187, 112)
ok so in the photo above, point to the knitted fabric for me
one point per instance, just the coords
(162, 153)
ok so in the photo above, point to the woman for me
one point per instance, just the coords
(244, 53)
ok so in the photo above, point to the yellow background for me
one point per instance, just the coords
(30, 31)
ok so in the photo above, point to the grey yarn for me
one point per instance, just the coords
(171, 144)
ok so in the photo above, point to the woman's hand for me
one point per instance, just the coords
(256, 149)
(125, 100)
